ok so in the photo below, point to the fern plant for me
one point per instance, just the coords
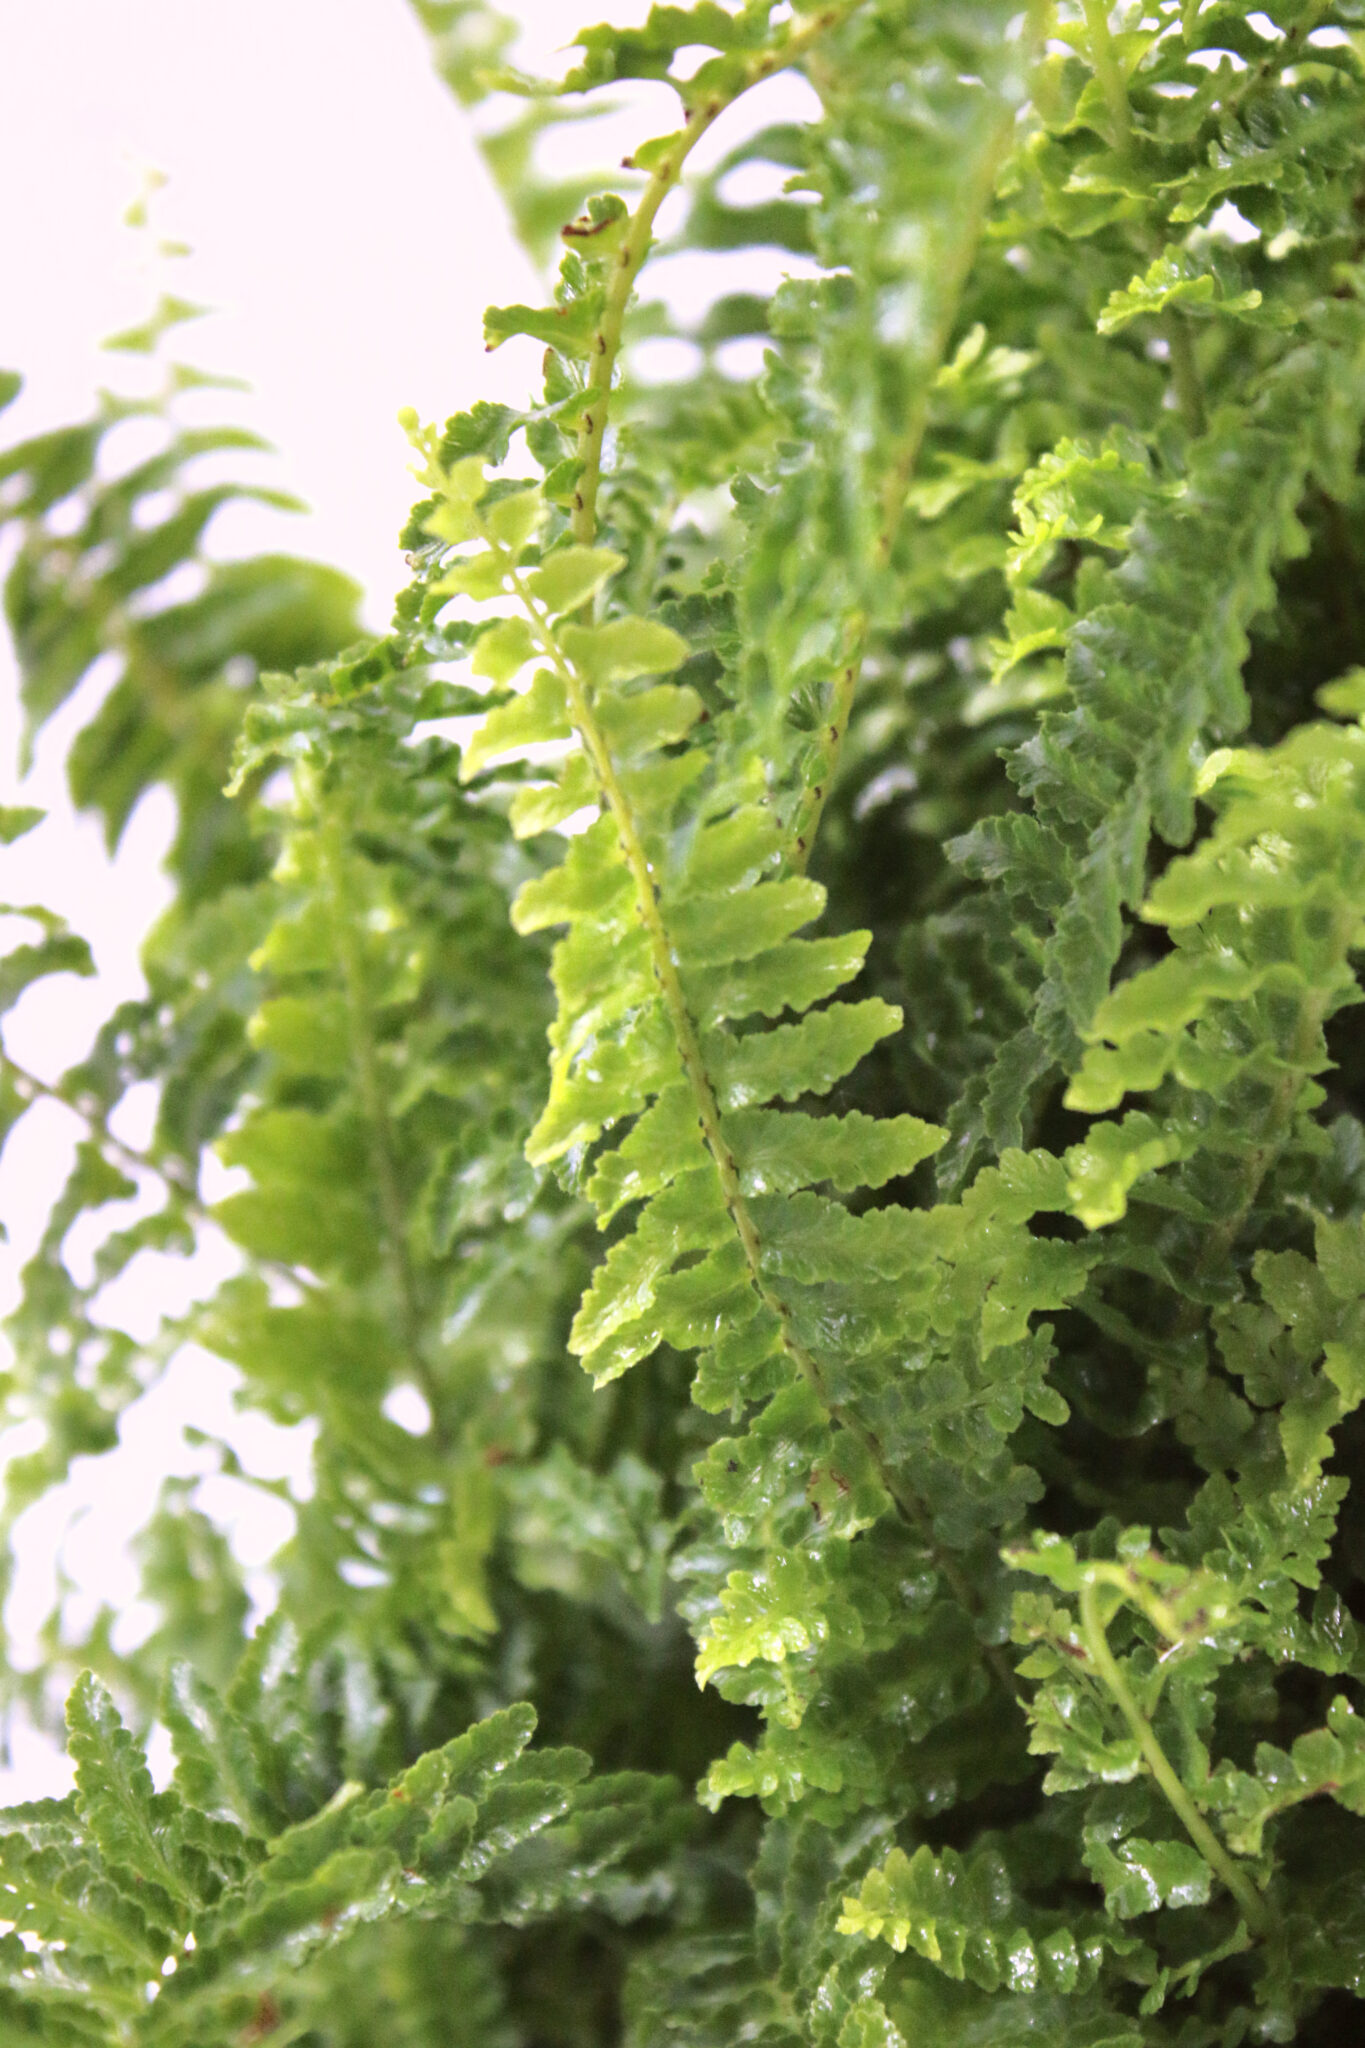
(884, 1395)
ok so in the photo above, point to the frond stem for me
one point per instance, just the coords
(374, 1101)
(1186, 381)
(895, 486)
(1111, 81)
(688, 1041)
(1096, 1635)
(32, 1089)
(635, 248)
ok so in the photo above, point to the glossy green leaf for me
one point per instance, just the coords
(623, 649)
(538, 714)
(566, 579)
(780, 1153)
(503, 650)
(1169, 280)
(802, 1059)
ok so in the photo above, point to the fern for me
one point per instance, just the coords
(163, 1916)
(898, 1368)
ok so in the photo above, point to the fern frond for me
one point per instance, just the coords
(176, 1914)
(1153, 674)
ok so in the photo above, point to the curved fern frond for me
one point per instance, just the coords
(178, 1916)
(1153, 676)
(1265, 916)
(684, 940)
(675, 885)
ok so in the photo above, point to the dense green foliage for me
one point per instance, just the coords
(889, 1391)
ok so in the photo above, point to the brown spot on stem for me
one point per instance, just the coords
(583, 229)
(264, 2020)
